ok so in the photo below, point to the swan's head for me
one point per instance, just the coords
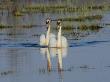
(48, 21)
(59, 22)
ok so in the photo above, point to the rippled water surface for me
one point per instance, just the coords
(22, 59)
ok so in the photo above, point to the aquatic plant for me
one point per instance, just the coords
(83, 18)
(4, 26)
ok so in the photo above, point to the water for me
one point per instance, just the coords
(22, 59)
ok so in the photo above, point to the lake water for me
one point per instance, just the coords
(87, 59)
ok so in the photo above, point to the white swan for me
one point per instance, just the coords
(45, 38)
(51, 40)
(61, 40)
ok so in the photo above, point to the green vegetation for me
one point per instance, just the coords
(83, 18)
(12, 26)
(4, 26)
(52, 8)
(91, 27)
(82, 27)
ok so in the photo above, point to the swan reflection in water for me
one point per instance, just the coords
(57, 53)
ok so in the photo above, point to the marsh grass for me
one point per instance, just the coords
(63, 8)
(91, 27)
(76, 33)
(83, 18)
(5, 26)
(81, 27)
(17, 26)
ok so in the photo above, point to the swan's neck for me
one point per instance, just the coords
(59, 37)
(48, 35)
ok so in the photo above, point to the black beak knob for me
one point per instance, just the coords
(47, 22)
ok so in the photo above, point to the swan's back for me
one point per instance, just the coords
(64, 42)
(42, 40)
(52, 42)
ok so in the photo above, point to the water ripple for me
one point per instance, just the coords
(87, 43)
(2, 45)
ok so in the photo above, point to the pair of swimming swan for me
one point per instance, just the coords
(51, 40)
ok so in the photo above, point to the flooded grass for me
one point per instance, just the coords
(91, 27)
(5, 26)
(17, 13)
(6, 73)
(17, 26)
(82, 27)
(54, 8)
(61, 8)
(83, 18)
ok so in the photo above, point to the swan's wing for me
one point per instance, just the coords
(52, 42)
(52, 35)
(64, 41)
(42, 40)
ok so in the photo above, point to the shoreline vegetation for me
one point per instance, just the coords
(64, 8)
(19, 11)
(52, 8)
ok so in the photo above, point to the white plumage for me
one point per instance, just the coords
(52, 40)
(61, 40)
(42, 39)
(64, 42)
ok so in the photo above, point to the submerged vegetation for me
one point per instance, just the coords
(63, 8)
(17, 26)
(80, 31)
(83, 18)
(4, 26)
(82, 27)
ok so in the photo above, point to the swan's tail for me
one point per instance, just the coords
(52, 42)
